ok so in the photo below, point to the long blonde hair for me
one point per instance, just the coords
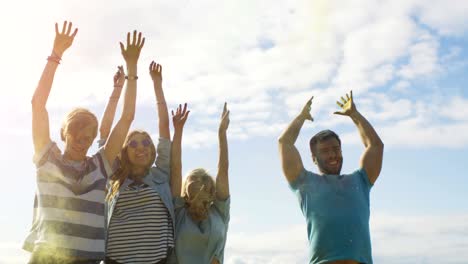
(199, 175)
(125, 166)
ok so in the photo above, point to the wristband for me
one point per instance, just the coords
(131, 77)
(54, 58)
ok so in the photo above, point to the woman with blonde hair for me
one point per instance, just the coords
(69, 224)
(202, 205)
(140, 212)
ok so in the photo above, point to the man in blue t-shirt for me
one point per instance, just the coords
(335, 205)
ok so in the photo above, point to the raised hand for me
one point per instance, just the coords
(179, 118)
(224, 124)
(63, 40)
(119, 77)
(305, 113)
(132, 52)
(155, 70)
(347, 105)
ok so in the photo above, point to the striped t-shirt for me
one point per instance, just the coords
(141, 229)
(69, 205)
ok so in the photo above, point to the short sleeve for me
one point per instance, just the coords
(364, 178)
(104, 163)
(299, 181)
(163, 154)
(179, 202)
(223, 207)
(42, 156)
(101, 142)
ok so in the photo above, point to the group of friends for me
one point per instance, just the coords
(127, 203)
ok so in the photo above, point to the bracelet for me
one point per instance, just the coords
(163, 103)
(131, 77)
(54, 58)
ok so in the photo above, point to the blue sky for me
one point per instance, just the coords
(405, 60)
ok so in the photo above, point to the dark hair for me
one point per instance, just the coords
(322, 136)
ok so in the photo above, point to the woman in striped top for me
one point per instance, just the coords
(140, 209)
(69, 224)
(201, 206)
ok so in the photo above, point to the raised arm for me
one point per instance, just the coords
(163, 116)
(40, 117)
(178, 120)
(117, 136)
(222, 179)
(290, 158)
(109, 112)
(371, 159)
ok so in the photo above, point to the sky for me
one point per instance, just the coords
(405, 60)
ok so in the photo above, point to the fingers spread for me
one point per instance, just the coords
(139, 39)
(74, 32)
(64, 26)
(134, 37)
(69, 28)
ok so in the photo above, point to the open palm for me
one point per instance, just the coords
(346, 104)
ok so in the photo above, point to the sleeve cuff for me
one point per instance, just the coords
(363, 174)
(179, 202)
(40, 155)
(224, 207)
(297, 183)
(105, 163)
(101, 142)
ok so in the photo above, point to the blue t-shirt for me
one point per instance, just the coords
(336, 208)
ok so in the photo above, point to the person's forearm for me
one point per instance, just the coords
(128, 112)
(176, 163)
(109, 112)
(41, 94)
(291, 133)
(368, 135)
(222, 179)
(163, 114)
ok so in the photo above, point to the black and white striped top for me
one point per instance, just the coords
(140, 230)
(69, 205)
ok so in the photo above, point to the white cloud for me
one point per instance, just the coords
(423, 59)
(448, 18)
(455, 109)
(395, 239)
(265, 60)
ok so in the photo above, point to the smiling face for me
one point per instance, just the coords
(327, 156)
(78, 143)
(78, 132)
(140, 150)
